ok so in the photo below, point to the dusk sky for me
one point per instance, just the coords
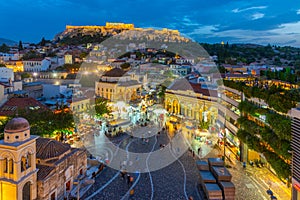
(253, 21)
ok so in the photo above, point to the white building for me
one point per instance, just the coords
(6, 74)
(36, 65)
(56, 61)
(8, 56)
(3, 97)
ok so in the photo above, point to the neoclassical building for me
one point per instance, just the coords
(191, 101)
(36, 168)
(117, 85)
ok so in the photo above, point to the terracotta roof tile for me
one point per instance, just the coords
(115, 72)
(13, 104)
(184, 85)
(47, 148)
(44, 171)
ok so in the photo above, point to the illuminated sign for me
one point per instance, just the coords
(297, 187)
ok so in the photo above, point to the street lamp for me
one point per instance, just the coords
(83, 181)
(35, 75)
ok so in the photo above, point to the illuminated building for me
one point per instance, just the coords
(192, 101)
(108, 25)
(15, 65)
(68, 59)
(228, 114)
(116, 85)
(295, 153)
(36, 168)
(18, 169)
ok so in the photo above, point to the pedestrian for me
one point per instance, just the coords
(199, 149)
(131, 180)
(123, 175)
(193, 153)
(128, 179)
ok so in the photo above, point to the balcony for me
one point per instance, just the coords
(229, 100)
(231, 127)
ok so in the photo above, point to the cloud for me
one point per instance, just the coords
(257, 16)
(284, 34)
(298, 12)
(237, 10)
(204, 30)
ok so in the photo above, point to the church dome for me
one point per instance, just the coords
(16, 125)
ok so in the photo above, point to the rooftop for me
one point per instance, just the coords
(17, 124)
(14, 104)
(48, 148)
(115, 72)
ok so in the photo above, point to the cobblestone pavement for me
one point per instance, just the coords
(253, 182)
(179, 180)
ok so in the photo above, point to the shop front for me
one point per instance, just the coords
(232, 142)
(295, 190)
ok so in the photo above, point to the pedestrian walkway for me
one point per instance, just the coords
(253, 182)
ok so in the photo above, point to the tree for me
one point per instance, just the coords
(125, 66)
(4, 48)
(20, 45)
(25, 75)
(45, 122)
(101, 107)
(43, 42)
(31, 54)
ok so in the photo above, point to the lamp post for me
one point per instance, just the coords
(82, 181)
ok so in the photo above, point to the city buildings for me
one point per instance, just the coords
(36, 168)
(6, 75)
(295, 154)
(228, 114)
(191, 101)
(15, 65)
(116, 85)
(36, 65)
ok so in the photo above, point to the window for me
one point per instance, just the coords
(28, 161)
(17, 137)
(5, 165)
(23, 164)
(53, 196)
(11, 166)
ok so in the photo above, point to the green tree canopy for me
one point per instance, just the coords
(101, 107)
(4, 48)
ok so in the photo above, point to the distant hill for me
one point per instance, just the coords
(7, 42)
